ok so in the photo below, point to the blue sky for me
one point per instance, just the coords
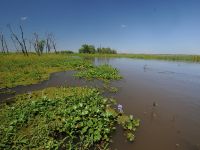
(130, 26)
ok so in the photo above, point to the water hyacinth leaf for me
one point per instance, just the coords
(130, 136)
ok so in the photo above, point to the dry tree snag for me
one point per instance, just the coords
(54, 46)
(39, 44)
(14, 43)
(53, 43)
(4, 45)
(22, 44)
(23, 40)
(48, 43)
(36, 40)
(30, 45)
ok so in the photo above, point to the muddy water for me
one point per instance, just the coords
(64, 79)
(166, 97)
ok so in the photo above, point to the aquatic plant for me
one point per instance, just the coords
(103, 72)
(61, 118)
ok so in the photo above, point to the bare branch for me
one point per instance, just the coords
(2, 42)
(17, 39)
(23, 40)
(14, 43)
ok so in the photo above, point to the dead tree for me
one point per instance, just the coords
(23, 40)
(21, 43)
(2, 43)
(6, 46)
(48, 43)
(14, 43)
(53, 42)
(54, 46)
(36, 41)
(30, 45)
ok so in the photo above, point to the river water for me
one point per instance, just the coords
(164, 95)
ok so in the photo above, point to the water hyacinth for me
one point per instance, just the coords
(103, 72)
(61, 118)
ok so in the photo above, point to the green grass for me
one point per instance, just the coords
(62, 118)
(103, 72)
(16, 69)
(168, 57)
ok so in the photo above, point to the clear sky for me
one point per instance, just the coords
(131, 26)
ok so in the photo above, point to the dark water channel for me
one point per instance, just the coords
(59, 79)
(165, 96)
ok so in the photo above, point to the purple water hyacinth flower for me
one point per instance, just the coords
(119, 107)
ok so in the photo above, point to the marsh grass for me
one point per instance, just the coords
(168, 57)
(62, 118)
(16, 69)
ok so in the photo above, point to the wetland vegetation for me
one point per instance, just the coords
(167, 57)
(59, 118)
(62, 118)
(99, 75)
(16, 69)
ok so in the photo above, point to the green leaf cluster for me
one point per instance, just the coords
(59, 118)
(103, 72)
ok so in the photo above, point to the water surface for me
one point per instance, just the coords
(164, 95)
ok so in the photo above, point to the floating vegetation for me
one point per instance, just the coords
(109, 88)
(62, 118)
(103, 72)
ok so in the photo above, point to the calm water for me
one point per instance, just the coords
(174, 87)
(174, 123)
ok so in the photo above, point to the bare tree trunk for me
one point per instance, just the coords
(17, 39)
(23, 40)
(36, 43)
(30, 45)
(54, 46)
(48, 42)
(14, 43)
(6, 46)
(53, 43)
(2, 42)
(47, 45)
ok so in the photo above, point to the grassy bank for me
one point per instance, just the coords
(17, 69)
(168, 57)
(62, 118)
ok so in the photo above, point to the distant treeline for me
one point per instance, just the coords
(90, 49)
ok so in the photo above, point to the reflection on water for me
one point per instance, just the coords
(101, 60)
